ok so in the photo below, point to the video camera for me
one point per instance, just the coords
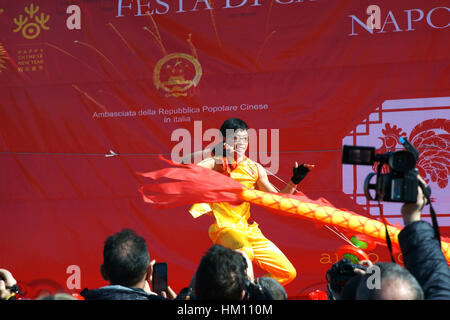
(399, 184)
(255, 291)
(339, 274)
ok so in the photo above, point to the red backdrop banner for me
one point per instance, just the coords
(93, 91)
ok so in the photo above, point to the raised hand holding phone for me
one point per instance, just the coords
(159, 277)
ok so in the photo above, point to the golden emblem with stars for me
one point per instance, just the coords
(176, 73)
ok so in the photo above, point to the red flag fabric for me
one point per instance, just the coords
(189, 183)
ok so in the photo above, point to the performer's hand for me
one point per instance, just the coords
(228, 149)
(300, 172)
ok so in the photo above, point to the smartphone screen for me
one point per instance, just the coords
(159, 278)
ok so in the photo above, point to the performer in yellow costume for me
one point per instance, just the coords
(233, 226)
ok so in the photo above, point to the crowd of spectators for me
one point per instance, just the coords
(225, 274)
(425, 275)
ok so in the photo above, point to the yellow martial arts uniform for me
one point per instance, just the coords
(232, 230)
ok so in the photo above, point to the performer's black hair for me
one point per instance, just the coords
(229, 124)
(233, 123)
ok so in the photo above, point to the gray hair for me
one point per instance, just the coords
(393, 277)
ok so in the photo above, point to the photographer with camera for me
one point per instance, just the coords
(419, 241)
(221, 275)
(421, 250)
(426, 274)
(366, 281)
(344, 277)
(225, 274)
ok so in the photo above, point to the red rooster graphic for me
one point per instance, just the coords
(432, 139)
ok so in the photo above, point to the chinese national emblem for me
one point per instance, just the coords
(176, 73)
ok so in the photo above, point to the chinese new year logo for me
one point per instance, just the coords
(176, 73)
(32, 24)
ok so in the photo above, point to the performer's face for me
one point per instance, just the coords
(240, 142)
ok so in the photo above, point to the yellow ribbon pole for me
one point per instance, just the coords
(328, 215)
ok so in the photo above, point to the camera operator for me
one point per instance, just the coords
(422, 253)
(426, 274)
(348, 281)
(344, 277)
(419, 241)
(225, 274)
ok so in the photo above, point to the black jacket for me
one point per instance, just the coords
(424, 259)
(116, 292)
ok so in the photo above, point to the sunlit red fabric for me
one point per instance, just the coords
(71, 96)
(193, 184)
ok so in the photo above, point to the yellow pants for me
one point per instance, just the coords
(259, 249)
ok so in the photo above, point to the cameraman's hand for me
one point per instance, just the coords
(171, 295)
(412, 212)
(149, 278)
(364, 263)
(250, 274)
(6, 280)
(299, 172)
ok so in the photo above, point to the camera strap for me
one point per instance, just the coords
(388, 238)
(435, 224)
(427, 193)
(437, 233)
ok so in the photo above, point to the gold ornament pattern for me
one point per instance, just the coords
(31, 26)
